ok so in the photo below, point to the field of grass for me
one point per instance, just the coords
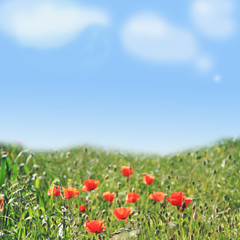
(209, 176)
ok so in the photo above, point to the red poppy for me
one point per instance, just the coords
(82, 208)
(70, 192)
(127, 171)
(132, 197)
(157, 196)
(90, 184)
(1, 204)
(94, 226)
(148, 179)
(178, 198)
(122, 213)
(54, 191)
(109, 196)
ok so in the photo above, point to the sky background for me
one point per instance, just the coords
(147, 76)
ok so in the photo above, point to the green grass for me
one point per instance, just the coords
(210, 176)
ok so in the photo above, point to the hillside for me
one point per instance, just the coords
(209, 176)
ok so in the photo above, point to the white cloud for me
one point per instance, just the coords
(149, 37)
(204, 63)
(214, 18)
(45, 24)
(217, 78)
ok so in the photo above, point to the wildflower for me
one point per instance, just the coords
(122, 213)
(70, 192)
(82, 208)
(132, 197)
(69, 182)
(90, 184)
(10, 154)
(178, 198)
(109, 196)
(94, 226)
(1, 204)
(148, 179)
(127, 171)
(157, 196)
(54, 191)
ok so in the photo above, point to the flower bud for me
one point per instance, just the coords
(52, 227)
(33, 199)
(194, 206)
(44, 224)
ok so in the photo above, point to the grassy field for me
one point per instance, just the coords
(209, 176)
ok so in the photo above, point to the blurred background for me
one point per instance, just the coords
(147, 76)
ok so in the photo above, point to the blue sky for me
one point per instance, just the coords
(146, 76)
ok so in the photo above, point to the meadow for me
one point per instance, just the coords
(40, 194)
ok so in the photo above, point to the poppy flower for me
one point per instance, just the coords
(178, 198)
(70, 192)
(82, 209)
(157, 196)
(1, 204)
(127, 171)
(148, 179)
(54, 191)
(132, 197)
(90, 184)
(109, 196)
(94, 226)
(122, 213)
